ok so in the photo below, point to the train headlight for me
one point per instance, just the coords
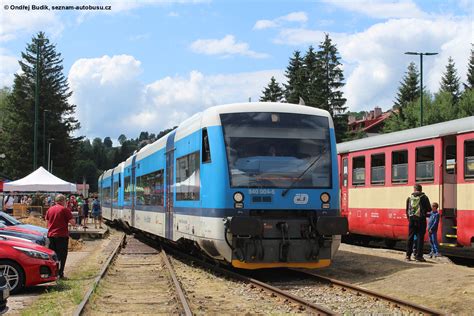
(238, 197)
(325, 197)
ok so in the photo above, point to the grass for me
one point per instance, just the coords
(63, 298)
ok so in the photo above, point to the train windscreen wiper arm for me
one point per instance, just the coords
(304, 172)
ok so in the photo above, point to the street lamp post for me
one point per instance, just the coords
(35, 132)
(44, 137)
(421, 79)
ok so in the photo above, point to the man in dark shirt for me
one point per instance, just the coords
(417, 208)
(58, 217)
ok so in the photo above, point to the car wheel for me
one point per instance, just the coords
(14, 275)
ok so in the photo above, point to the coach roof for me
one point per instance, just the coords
(211, 116)
(426, 132)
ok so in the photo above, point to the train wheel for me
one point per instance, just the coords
(390, 243)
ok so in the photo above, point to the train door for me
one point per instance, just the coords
(134, 190)
(169, 186)
(344, 186)
(111, 196)
(448, 204)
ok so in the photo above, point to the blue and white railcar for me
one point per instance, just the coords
(253, 184)
(117, 193)
(105, 192)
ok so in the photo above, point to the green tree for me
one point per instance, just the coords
(273, 92)
(470, 72)
(331, 82)
(450, 81)
(312, 78)
(54, 92)
(466, 104)
(408, 92)
(295, 86)
(108, 142)
(122, 138)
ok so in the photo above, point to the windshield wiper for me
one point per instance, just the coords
(304, 172)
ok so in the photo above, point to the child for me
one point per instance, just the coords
(433, 230)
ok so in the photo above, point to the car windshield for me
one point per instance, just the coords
(267, 149)
(8, 218)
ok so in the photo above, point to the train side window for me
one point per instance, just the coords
(358, 170)
(345, 172)
(187, 178)
(127, 192)
(450, 163)
(377, 165)
(400, 166)
(206, 150)
(150, 188)
(469, 159)
(115, 189)
(425, 163)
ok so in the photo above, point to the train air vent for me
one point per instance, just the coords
(261, 199)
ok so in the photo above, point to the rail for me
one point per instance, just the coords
(320, 310)
(80, 308)
(394, 300)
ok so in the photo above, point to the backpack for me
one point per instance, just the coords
(415, 207)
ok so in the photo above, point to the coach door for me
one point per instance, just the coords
(134, 190)
(169, 186)
(448, 204)
(344, 184)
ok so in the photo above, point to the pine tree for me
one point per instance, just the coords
(332, 78)
(273, 92)
(330, 83)
(409, 89)
(450, 81)
(295, 87)
(470, 72)
(53, 103)
(312, 78)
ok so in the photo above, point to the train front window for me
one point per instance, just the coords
(277, 150)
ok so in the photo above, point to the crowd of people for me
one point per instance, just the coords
(84, 208)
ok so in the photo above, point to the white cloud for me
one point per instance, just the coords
(299, 17)
(17, 22)
(9, 66)
(226, 46)
(381, 9)
(111, 100)
(374, 59)
(173, 14)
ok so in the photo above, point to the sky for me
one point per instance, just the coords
(148, 65)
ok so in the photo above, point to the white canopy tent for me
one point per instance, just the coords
(40, 180)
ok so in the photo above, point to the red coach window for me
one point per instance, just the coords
(469, 159)
(425, 163)
(358, 170)
(400, 166)
(377, 164)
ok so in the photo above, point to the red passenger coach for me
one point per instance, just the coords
(377, 175)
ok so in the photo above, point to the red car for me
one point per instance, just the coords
(26, 264)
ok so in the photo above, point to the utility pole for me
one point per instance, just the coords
(421, 79)
(35, 132)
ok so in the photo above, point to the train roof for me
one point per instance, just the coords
(107, 173)
(453, 127)
(210, 117)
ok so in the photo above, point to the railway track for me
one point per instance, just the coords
(136, 279)
(320, 295)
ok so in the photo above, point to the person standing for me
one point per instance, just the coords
(97, 212)
(433, 230)
(417, 207)
(58, 218)
(8, 204)
(85, 210)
